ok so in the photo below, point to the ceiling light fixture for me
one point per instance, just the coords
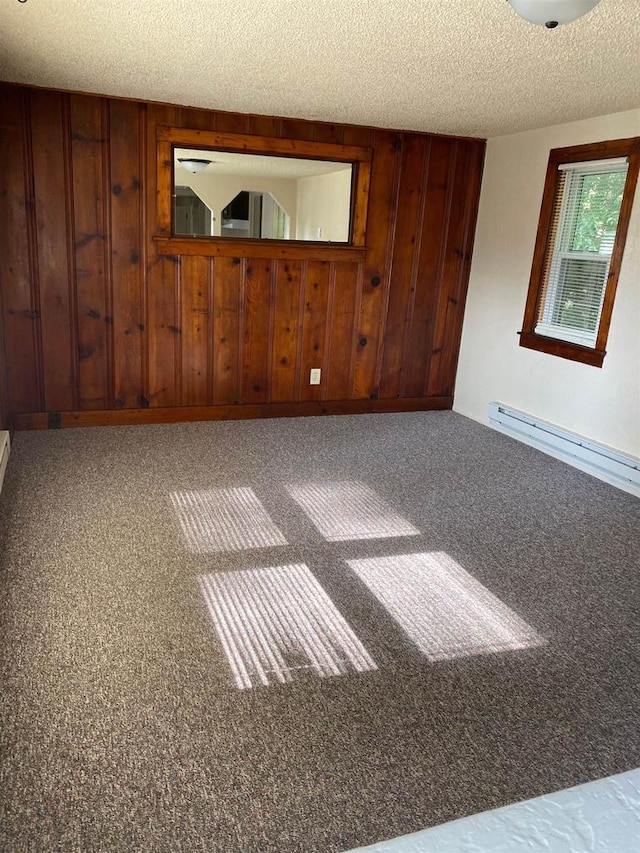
(193, 164)
(550, 13)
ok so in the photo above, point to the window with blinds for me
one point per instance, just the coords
(583, 225)
(583, 230)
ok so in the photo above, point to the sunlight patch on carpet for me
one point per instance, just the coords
(443, 609)
(230, 519)
(349, 510)
(278, 623)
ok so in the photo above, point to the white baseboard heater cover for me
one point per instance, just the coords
(596, 459)
(4, 454)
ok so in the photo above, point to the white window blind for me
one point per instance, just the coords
(581, 239)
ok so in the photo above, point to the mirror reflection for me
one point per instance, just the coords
(228, 194)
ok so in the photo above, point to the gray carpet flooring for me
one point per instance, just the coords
(304, 635)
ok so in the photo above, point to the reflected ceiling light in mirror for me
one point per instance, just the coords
(347, 510)
(230, 519)
(550, 13)
(277, 624)
(194, 164)
(443, 609)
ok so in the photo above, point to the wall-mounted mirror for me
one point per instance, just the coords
(215, 187)
(230, 194)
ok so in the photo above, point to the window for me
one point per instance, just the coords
(581, 234)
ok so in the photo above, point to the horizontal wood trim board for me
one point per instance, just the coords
(187, 138)
(246, 248)
(107, 318)
(127, 417)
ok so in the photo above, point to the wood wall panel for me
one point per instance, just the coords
(18, 274)
(101, 321)
(92, 285)
(228, 298)
(286, 322)
(258, 289)
(126, 136)
(428, 292)
(55, 248)
(346, 285)
(383, 208)
(195, 326)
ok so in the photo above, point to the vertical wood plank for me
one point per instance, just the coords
(288, 276)
(88, 143)
(354, 135)
(323, 132)
(125, 145)
(19, 302)
(258, 306)
(232, 123)
(226, 329)
(296, 129)
(375, 285)
(264, 126)
(314, 325)
(342, 327)
(457, 261)
(404, 267)
(435, 224)
(196, 330)
(161, 322)
(54, 244)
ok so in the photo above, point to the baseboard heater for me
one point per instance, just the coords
(4, 454)
(597, 459)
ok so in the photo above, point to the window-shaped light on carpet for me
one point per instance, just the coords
(278, 623)
(230, 519)
(347, 510)
(443, 609)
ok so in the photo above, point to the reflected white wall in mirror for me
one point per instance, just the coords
(230, 519)
(443, 609)
(262, 197)
(277, 624)
(343, 510)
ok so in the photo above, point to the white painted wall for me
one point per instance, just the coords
(601, 404)
(323, 203)
(216, 191)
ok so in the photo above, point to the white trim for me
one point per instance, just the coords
(608, 165)
(597, 459)
(566, 333)
(5, 446)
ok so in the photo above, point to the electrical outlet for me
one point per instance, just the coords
(314, 376)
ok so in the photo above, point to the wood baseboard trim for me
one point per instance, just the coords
(128, 417)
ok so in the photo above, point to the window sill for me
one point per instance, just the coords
(220, 247)
(563, 349)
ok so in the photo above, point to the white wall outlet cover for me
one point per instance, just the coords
(314, 376)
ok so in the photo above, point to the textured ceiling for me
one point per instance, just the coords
(470, 67)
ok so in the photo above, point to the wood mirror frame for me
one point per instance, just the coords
(360, 158)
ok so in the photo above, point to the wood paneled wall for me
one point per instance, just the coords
(102, 327)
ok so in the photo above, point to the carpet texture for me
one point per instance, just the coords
(304, 635)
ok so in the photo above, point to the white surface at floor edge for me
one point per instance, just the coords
(598, 817)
